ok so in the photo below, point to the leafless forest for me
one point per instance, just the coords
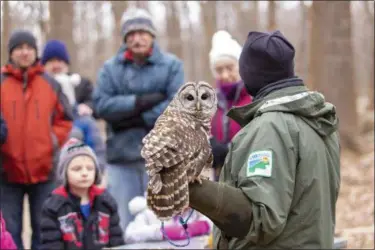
(334, 41)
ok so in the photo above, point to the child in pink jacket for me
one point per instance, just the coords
(6, 240)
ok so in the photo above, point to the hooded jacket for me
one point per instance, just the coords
(285, 161)
(39, 120)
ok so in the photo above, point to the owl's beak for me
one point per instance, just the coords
(198, 106)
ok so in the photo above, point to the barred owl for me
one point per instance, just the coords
(177, 149)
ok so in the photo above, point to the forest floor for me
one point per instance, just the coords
(355, 205)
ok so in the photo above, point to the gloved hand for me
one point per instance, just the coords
(195, 228)
(219, 151)
(147, 101)
(128, 123)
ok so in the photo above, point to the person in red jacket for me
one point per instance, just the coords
(231, 92)
(39, 121)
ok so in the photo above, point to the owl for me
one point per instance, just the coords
(177, 149)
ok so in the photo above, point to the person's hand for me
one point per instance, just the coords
(147, 101)
(84, 109)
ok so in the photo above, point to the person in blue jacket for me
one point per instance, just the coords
(133, 88)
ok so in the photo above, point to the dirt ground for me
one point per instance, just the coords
(355, 206)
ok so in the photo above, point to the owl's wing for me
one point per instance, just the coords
(165, 146)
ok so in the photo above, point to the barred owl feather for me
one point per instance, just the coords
(177, 149)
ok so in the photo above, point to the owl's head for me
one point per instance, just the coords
(197, 99)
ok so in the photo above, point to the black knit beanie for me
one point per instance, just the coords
(20, 37)
(265, 58)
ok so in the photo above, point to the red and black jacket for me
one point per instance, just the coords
(64, 227)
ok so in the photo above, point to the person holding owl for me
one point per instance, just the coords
(133, 89)
(231, 91)
(280, 181)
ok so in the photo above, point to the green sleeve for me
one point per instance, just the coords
(267, 175)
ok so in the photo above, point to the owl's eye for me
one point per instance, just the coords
(204, 96)
(190, 97)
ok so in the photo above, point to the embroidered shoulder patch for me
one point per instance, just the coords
(259, 163)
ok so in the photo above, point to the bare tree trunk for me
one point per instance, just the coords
(316, 16)
(61, 27)
(141, 4)
(43, 24)
(247, 19)
(302, 56)
(190, 45)
(118, 8)
(332, 64)
(173, 29)
(208, 10)
(100, 44)
(370, 40)
(5, 32)
(271, 25)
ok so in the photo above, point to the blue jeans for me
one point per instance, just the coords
(124, 183)
(12, 196)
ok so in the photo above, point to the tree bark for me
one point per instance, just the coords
(247, 19)
(5, 32)
(369, 17)
(173, 29)
(302, 55)
(118, 8)
(208, 10)
(332, 65)
(271, 25)
(141, 4)
(61, 27)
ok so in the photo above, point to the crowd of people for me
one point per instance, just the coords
(275, 145)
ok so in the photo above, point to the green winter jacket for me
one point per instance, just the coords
(286, 160)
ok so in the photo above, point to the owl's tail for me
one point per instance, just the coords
(173, 196)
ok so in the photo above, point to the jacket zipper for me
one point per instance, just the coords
(24, 86)
(37, 109)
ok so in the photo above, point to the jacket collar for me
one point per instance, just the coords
(63, 191)
(244, 114)
(19, 74)
(154, 57)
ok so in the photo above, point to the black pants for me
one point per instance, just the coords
(11, 202)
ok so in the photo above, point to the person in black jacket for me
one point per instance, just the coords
(79, 214)
(56, 60)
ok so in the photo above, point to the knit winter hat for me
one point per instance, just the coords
(72, 148)
(137, 19)
(55, 49)
(265, 58)
(223, 45)
(20, 37)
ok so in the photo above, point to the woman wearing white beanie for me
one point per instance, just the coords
(224, 56)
